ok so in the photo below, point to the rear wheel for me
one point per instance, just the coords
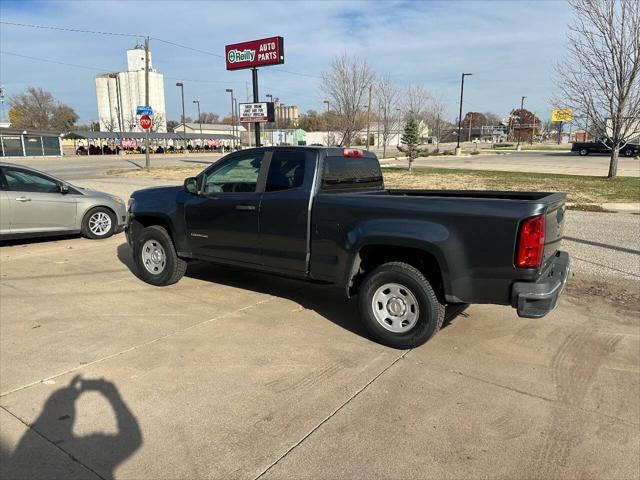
(99, 222)
(156, 258)
(628, 153)
(583, 152)
(399, 306)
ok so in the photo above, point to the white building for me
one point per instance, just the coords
(119, 94)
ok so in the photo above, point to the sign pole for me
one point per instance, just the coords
(256, 99)
(147, 160)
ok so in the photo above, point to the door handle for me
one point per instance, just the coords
(23, 199)
(245, 208)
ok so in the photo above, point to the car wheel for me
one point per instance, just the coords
(583, 152)
(628, 153)
(98, 223)
(156, 258)
(399, 307)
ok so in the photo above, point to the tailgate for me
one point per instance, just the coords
(554, 230)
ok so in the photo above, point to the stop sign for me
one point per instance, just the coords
(145, 122)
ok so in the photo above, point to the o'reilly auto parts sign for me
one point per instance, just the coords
(256, 112)
(256, 53)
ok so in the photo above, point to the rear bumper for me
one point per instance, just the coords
(536, 299)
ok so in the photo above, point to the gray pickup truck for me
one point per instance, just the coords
(323, 214)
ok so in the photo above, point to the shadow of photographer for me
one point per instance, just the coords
(100, 453)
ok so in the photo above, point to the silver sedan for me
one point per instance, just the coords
(35, 204)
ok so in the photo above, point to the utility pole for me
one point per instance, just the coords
(458, 149)
(369, 114)
(147, 159)
(520, 122)
(270, 97)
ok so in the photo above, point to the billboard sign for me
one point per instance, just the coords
(256, 112)
(562, 115)
(256, 53)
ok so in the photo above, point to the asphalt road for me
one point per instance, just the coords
(74, 168)
(534, 162)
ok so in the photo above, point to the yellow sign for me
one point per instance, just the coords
(562, 115)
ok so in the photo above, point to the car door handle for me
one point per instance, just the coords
(245, 207)
(23, 199)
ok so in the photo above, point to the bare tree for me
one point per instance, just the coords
(158, 121)
(600, 77)
(108, 124)
(435, 116)
(416, 102)
(387, 96)
(346, 84)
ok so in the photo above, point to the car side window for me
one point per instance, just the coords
(238, 175)
(24, 181)
(286, 171)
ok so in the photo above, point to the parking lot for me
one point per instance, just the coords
(232, 374)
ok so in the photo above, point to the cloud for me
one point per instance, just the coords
(509, 46)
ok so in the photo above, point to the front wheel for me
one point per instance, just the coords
(156, 258)
(629, 153)
(98, 223)
(583, 152)
(399, 307)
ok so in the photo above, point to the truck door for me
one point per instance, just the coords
(222, 220)
(285, 209)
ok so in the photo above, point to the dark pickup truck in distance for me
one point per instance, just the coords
(323, 214)
(604, 146)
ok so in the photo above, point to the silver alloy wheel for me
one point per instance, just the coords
(395, 307)
(100, 223)
(153, 257)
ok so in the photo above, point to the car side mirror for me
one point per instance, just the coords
(64, 189)
(191, 185)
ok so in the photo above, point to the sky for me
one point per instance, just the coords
(509, 46)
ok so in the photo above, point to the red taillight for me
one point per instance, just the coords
(351, 152)
(530, 242)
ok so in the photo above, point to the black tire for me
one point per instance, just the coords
(583, 152)
(167, 273)
(430, 313)
(90, 227)
(628, 153)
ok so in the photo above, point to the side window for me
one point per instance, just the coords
(25, 181)
(286, 171)
(238, 175)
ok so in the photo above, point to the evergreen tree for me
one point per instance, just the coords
(410, 140)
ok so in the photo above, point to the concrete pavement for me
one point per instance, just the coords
(232, 374)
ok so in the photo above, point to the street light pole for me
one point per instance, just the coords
(458, 149)
(184, 118)
(520, 121)
(197, 102)
(230, 91)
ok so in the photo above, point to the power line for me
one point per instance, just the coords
(75, 30)
(95, 32)
(106, 70)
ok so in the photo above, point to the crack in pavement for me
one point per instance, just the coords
(46, 439)
(332, 414)
(135, 347)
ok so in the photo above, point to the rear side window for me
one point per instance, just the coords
(286, 171)
(351, 172)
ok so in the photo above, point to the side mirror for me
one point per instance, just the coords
(191, 185)
(64, 189)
